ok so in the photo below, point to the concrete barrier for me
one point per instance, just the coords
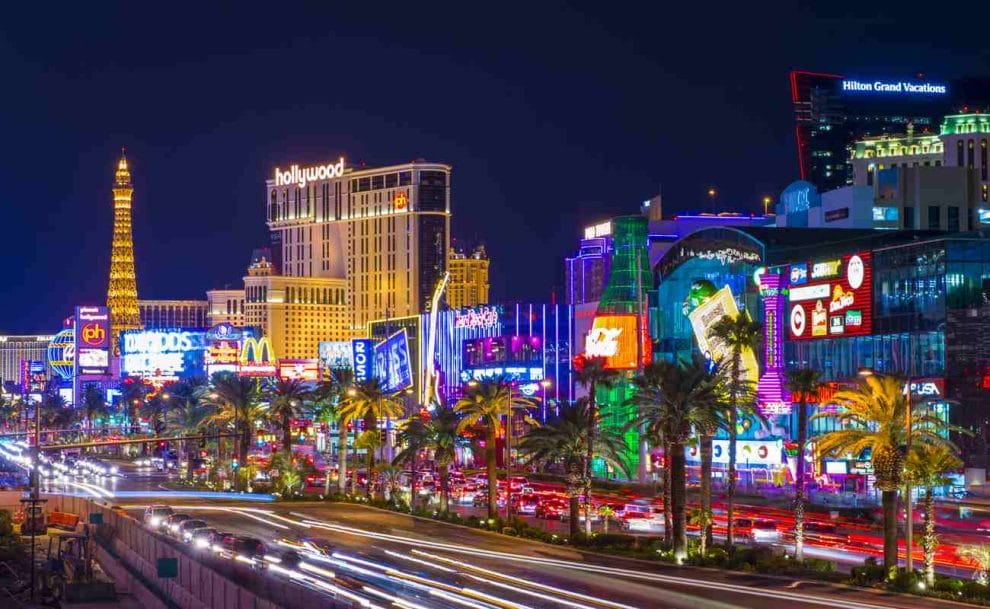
(217, 585)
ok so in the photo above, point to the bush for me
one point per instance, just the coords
(870, 574)
(973, 590)
(610, 540)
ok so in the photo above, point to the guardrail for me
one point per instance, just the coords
(198, 585)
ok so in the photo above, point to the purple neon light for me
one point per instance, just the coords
(771, 395)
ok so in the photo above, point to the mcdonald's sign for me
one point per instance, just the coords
(257, 358)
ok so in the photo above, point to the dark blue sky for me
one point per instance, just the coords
(553, 116)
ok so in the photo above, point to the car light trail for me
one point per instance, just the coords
(600, 569)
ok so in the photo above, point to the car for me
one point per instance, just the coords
(184, 532)
(516, 483)
(289, 558)
(171, 524)
(246, 547)
(525, 504)
(155, 515)
(202, 537)
(480, 499)
(467, 494)
(551, 508)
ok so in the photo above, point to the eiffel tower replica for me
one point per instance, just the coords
(122, 296)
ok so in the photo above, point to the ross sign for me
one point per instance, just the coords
(393, 368)
(849, 85)
(361, 354)
(92, 340)
(257, 357)
(335, 354)
(599, 230)
(165, 355)
(704, 316)
(478, 318)
(300, 177)
(299, 369)
(614, 338)
(837, 299)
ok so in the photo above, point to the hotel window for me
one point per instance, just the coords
(953, 218)
(970, 154)
(934, 213)
(959, 154)
(983, 159)
(908, 217)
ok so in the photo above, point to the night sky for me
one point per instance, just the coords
(553, 117)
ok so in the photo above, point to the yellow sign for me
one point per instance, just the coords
(704, 316)
(257, 357)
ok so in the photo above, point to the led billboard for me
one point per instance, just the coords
(163, 355)
(704, 316)
(834, 298)
(93, 340)
(613, 337)
(335, 354)
(299, 369)
(393, 368)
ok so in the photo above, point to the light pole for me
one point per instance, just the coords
(909, 524)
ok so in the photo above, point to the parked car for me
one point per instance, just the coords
(185, 530)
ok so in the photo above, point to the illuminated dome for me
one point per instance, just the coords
(61, 353)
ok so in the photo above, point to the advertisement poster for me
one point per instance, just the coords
(830, 298)
(93, 340)
(614, 338)
(392, 366)
(704, 316)
(164, 355)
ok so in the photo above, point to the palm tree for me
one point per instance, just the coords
(414, 437)
(564, 439)
(328, 397)
(132, 395)
(802, 382)
(94, 404)
(186, 419)
(737, 334)
(592, 373)
(873, 417)
(286, 397)
(236, 401)
(444, 440)
(673, 399)
(927, 466)
(367, 401)
(486, 404)
(155, 409)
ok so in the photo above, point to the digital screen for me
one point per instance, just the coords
(93, 340)
(299, 369)
(836, 468)
(835, 301)
(704, 316)
(613, 337)
(336, 354)
(393, 367)
(162, 354)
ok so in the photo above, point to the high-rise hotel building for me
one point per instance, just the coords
(386, 231)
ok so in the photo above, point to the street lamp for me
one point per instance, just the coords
(766, 205)
(909, 525)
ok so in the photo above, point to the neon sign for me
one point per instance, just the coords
(614, 338)
(400, 201)
(836, 301)
(902, 87)
(484, 317)
(257, 357)
(599, 230)
(300, 177)
(162, 354)
(361, 356)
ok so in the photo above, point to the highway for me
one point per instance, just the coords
(384, 559)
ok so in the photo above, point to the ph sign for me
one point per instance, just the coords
(361, 351)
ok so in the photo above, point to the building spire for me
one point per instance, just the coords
(122, 293)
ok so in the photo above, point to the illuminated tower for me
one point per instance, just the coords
(122, 296)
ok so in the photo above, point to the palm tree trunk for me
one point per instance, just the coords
(930, 541)
(287, 436)
(342, 457)
(412, 485)
(490, 465)
(678, 504)
(730, 488)
(799, 483)
(705, 450)
(888, 500)
(189, 459)
(668, 522)
(445, 488)
(590, 454)
(370, 426)
(575, 509)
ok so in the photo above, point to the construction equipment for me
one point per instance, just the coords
(68, 575)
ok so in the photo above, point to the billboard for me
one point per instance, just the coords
(93, 340)
(834, 298)
(162, 355)
(361, 354)
(32, 376)
(748, 452)
(299, 369)
(257, 357)
(61, 354)
(393, 368)
(223, 348)
(614, 338)
(704, 316)
(336, 354)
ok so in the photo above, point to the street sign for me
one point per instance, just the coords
(96, 518)
(168, 567)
